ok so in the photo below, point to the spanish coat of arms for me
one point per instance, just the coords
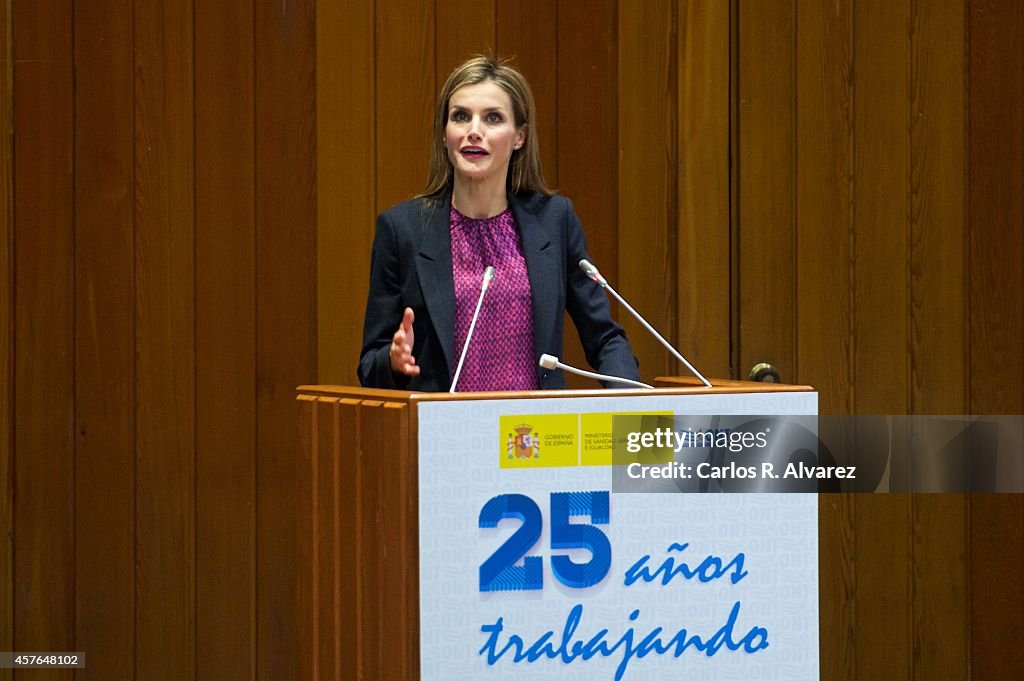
(524, 443)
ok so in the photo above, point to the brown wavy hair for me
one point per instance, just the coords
(524, 172)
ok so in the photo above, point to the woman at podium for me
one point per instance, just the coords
(485, 206)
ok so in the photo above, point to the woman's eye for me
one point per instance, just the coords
(459, 116)
(494, 118)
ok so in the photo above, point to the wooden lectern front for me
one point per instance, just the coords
(359, 588)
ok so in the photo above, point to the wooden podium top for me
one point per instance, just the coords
(670, 385)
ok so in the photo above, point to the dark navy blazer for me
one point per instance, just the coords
(411, 266)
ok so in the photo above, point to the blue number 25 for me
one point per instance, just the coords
(565, 505)
(500, 573)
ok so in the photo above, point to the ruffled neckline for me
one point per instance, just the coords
(459, 218)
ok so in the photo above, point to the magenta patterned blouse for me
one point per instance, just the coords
(501, 352)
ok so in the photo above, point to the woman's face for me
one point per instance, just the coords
(481, 133)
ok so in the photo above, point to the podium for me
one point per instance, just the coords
(396, 489)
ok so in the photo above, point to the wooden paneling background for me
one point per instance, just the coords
(158, 212)
(6, 329)
(187, 194)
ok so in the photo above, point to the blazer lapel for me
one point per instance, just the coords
(542, 266)
(437, 283)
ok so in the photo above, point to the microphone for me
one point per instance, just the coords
(488, 276)
(591, 271)
(551, 362)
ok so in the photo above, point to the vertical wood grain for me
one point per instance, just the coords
(940, 578)
(766, 182)
(346, 159)
(938, 293)
(397, 622)
(225, 351)
(368, 482)
(408, 474)
(824, 199)
(823, 204)
(837, 556)
(880, 385)
(703, 216)
(44, 568)
(165, 342)
(349, 528)
(104, 340)
(328, 632)
(405, 97)
(307, 539)
(648, 154)
(286, 350)
(995, 35)
(588, 144)
(997, 585)
(881, 366)
(7, 332)
(996, 206)
(461, 30)
(938, 316)
(527, 32)
(883, 590)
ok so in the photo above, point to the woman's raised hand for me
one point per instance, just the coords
(402, 361)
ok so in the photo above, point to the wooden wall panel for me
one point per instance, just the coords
(995, 177)
(765, 178)
(940, 587)
(346, 172)
(104, 340)
(165, 343)
(405, 97)
(882, 633)
(881, 122)
(225, 332)
(285, 299)
(937, 309)
(996, 206)
(527, 32)
(824, 199)
(588, 144)
(995, 174)
(6, 334)
(647, 163)
(44, 615)
(879, 373)
(703, 243)
(837, 585)
(996, 585)
(461, 30)
(938, 293)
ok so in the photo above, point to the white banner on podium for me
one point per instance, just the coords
(531, 567)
